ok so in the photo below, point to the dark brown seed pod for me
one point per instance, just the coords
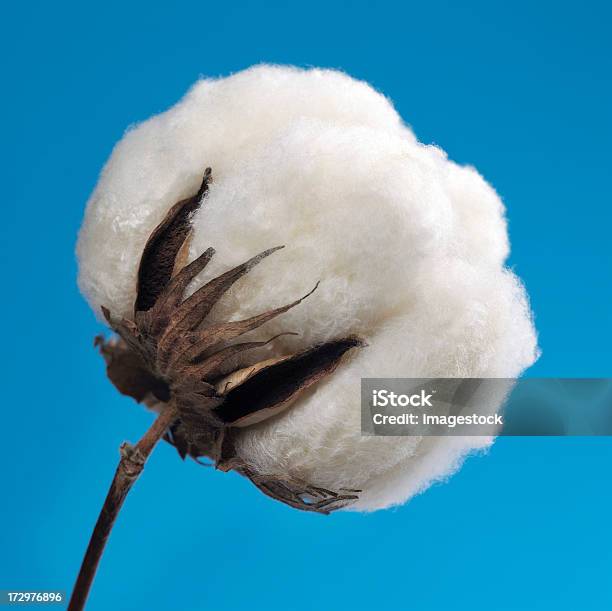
(166, 353)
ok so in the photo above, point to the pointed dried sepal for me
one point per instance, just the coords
(270, 389)
(129, 374)
(159, 256)
(194, 345)
(126, 329)
(195, 308)
(211, 367)
(299, 494)
(173, 294)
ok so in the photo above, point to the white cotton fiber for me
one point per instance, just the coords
(409, 248)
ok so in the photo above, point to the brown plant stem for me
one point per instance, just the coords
(132, 462)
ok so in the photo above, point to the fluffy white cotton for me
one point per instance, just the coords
(409, 248)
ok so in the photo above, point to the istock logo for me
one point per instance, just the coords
(386, 398)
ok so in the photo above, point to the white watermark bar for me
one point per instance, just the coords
(486, 406)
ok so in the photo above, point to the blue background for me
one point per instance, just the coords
(521, 90)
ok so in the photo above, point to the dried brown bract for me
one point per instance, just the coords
(168, 354)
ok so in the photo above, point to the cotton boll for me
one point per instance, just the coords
(409, 248)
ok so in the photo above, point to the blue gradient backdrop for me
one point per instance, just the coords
(521, 90)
